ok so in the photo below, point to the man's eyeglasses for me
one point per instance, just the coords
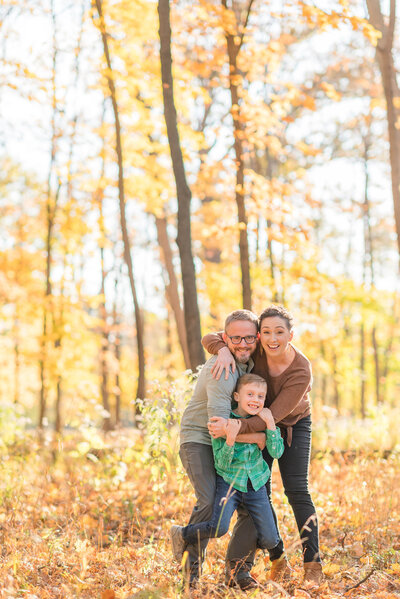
(236, 340)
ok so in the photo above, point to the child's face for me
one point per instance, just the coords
(250, 399)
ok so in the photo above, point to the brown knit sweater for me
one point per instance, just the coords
(287, 393)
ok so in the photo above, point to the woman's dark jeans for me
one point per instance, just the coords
(293, 466)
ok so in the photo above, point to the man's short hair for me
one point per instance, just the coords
(241, 315)
(247, 379)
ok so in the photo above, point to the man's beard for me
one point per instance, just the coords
(242, 356)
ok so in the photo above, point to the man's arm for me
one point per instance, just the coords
(219, 395)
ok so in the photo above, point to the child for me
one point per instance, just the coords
(241, 474)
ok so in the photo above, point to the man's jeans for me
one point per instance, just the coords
(198, 461)
(227, 500)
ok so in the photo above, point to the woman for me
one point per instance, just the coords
(288, 375)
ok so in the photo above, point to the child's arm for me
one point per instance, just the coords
(232, 431)
(275, 445)
(224, 449)
(266, 415)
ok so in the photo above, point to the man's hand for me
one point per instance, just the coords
(224, 361)
(217, 426)
(266, 415)
(232, 430)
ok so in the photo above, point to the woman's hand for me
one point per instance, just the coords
(217, 426)
(224, 360)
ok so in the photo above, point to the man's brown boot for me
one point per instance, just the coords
(313, 572)
(280, 569)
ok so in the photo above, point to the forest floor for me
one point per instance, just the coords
(94, 523)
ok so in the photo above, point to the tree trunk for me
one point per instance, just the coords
(104, 333)
(384, 57)
(107, 425)
(377, 366)
(140, 393)
(17, 357)
(117, 352)
(234, 43)
(265, 167)
(172, 287)
(369, 257)
(323, 376)
(117, 390)
(184, 239)
(336, 395)
(51, 204)
(362, 370)
(272, 268)
(58, 327)
(58, 422)
(388, 352)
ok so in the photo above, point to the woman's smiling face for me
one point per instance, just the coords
(275, 335)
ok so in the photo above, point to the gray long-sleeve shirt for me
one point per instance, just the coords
(210, 398)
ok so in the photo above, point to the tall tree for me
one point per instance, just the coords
(184, 196)
(117, 348)
(234, 42)
(51, 207)
(140, 393)
(171, 287)
(384, 57)
(369, 250)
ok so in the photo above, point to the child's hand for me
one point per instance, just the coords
(232, 431)
(266, 415)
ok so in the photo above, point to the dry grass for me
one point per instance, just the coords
(77, 525)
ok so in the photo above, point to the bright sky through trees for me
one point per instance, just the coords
(317, 192)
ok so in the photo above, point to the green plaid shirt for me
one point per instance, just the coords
(244, 461)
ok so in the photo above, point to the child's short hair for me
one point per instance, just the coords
(246, 379)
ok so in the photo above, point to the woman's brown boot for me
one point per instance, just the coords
(313, 572)
(280, 569)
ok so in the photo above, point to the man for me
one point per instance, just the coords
(210, 398)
